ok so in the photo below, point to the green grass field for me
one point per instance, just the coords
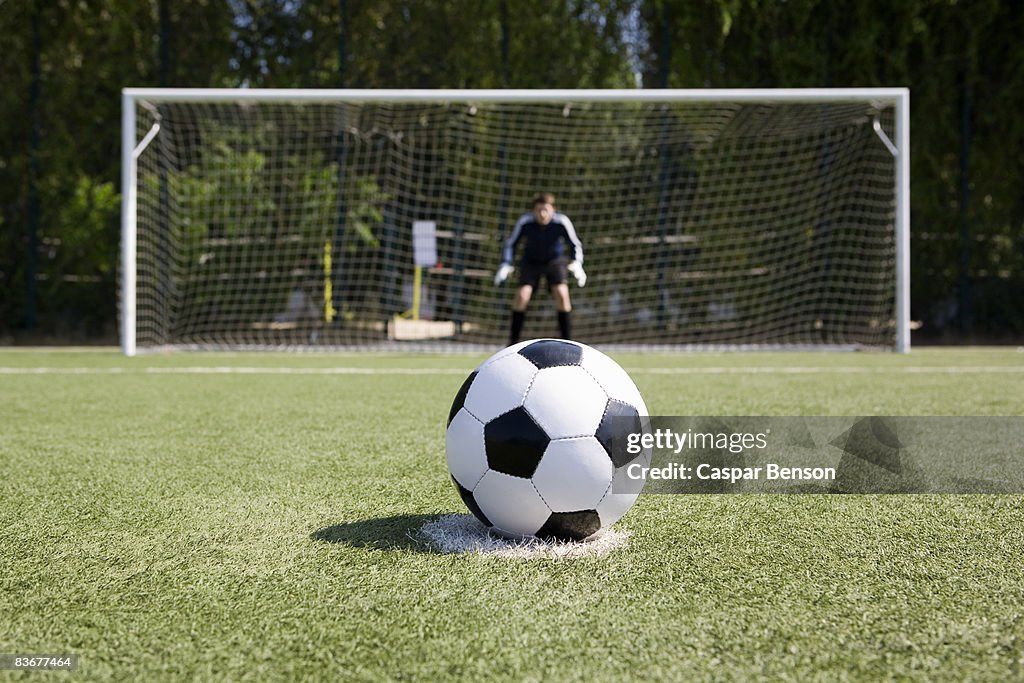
(257, 521)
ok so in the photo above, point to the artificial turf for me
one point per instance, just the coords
(258, 521)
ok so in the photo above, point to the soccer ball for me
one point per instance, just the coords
(530, 435)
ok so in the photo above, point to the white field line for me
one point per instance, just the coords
(838, 370)
(752, 370)
(231, 370)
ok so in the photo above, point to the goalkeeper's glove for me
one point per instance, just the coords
(576, 268)
(504, 270)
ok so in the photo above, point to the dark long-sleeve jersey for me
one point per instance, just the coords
(543, 243)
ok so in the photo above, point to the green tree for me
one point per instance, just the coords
(963, 235)
(87, 51)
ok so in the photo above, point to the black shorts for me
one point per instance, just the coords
(555, 272)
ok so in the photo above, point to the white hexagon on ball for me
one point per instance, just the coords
(499, 387)
(574, 474)
(614, 505)
(507, 351)
(464, 447)
(512, 504)
(566, 402)
(613, 379)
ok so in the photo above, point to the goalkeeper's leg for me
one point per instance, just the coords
(564, 307)
(522, 300)
(565, 324)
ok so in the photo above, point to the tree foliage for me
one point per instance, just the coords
(960, 60)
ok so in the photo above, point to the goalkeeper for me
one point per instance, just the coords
(545, 234)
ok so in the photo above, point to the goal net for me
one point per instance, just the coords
(752, 219)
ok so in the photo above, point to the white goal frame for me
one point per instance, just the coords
(899, 98)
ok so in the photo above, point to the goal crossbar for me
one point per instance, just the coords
(808, 95)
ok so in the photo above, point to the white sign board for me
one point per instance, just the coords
(424, 243)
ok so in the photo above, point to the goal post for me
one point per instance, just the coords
(759, 218)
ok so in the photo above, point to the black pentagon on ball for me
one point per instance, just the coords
(620, 419)
(550, 353)
(514, 443)
(470, 501)
(460, 398)
(570, 526)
